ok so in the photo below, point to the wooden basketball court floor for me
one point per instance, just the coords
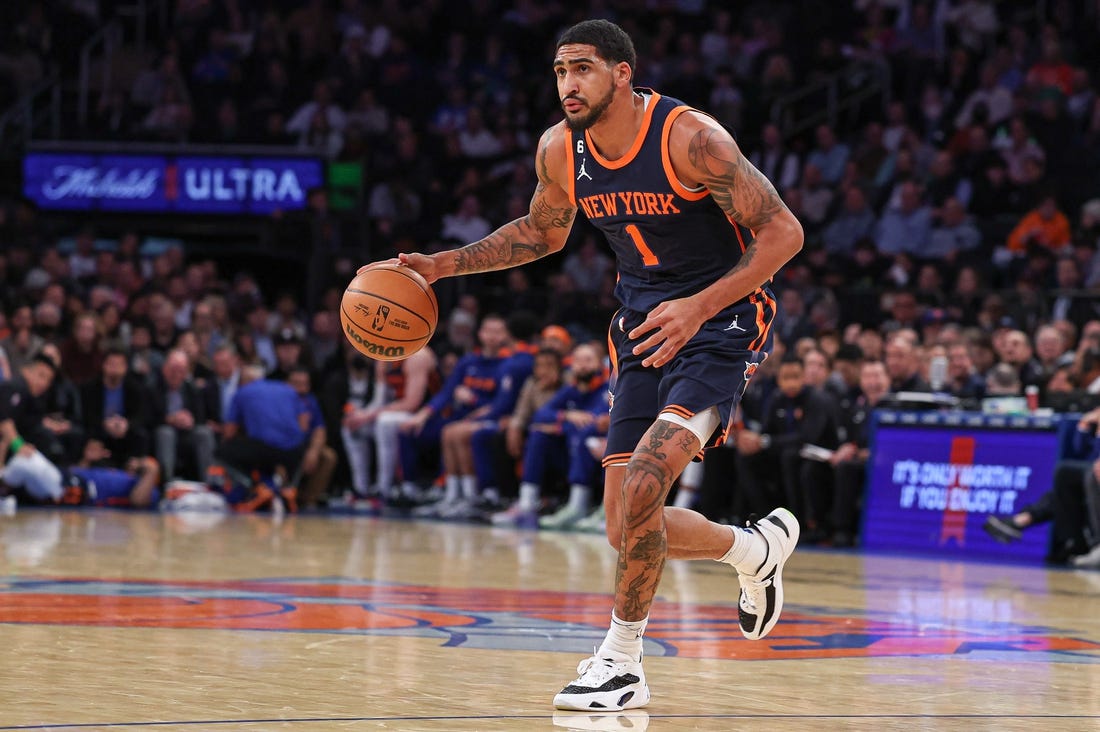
(139, 621)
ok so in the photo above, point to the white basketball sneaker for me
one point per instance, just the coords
(762, 590)
(605, 686)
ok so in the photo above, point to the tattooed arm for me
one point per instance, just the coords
(709, 156)
(542, 231)
(703, 153)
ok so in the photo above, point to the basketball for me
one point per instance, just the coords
(389, 312)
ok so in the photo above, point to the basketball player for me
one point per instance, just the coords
(671, 191)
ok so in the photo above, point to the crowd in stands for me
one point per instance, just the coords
(952, 234)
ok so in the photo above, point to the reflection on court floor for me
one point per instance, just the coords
(112, 619)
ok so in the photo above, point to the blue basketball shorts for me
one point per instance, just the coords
(711, 370)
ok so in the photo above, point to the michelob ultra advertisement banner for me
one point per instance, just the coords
(200, 184)
(929, 489)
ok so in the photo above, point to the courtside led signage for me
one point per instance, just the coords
(167, 184)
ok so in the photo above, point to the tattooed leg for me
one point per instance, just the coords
(643, 546)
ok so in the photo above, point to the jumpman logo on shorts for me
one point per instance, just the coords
(583, 171)
(735, 326)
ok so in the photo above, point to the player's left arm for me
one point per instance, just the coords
(704, 153)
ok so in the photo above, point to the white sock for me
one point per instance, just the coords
(469, 486)
(748, 552)
(685, 497)
(528, 496)
(624, 640)
(491, 494)
(578, 497)
(452, 489)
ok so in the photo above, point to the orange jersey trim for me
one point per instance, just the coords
(634, 148)
(763, 324)
(666, 160)
(678, 411)
(617, 458)
(570, 188)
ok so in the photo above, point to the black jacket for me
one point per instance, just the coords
(193, 401)
(135, 403)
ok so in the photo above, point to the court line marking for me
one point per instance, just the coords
(472, 717)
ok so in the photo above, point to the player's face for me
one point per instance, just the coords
(586, 85)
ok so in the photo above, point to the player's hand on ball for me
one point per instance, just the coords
(670, 325)
(423, 264)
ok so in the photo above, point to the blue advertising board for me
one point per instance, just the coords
(931, 487)
(200, 184)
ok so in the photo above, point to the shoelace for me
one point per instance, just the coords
(752, 588)
(601, 669)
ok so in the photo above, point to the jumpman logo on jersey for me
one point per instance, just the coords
(734, 325)
(583, 171)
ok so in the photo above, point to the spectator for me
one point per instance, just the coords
(476, 140)
(399, 390)
(264, 434)
(963, 379)
(1071, 504)
(990, 96)
(1051, 352)
(556, 437)
(1068, 302)
(797, 416)
(115, 411)
(849, 460)
(955, 233)
(1044, 226)
(474, 468)
(816, 197)
(903, 366)
(219, 390)
(855, 221)
(774, 160)
(587, 266)
(287, 345)
(1017, 353)
(906, 228)
(23, 343)
(26, 468)
(82, 265)
(1017, 147)
(319, 123)
(830, 156)
(179, 415)
(466, 224)
(81, 353)
(319, 460)
(60, 437)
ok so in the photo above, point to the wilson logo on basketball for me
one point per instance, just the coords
(373, 349)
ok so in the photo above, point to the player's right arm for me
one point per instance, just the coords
(542, 231)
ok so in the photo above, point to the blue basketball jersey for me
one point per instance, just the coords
(669, 241)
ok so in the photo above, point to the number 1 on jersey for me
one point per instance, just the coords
(649, 259)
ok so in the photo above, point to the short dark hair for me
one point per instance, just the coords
(41, 359)
(116, 349)
(522, 325)
(612, 42)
